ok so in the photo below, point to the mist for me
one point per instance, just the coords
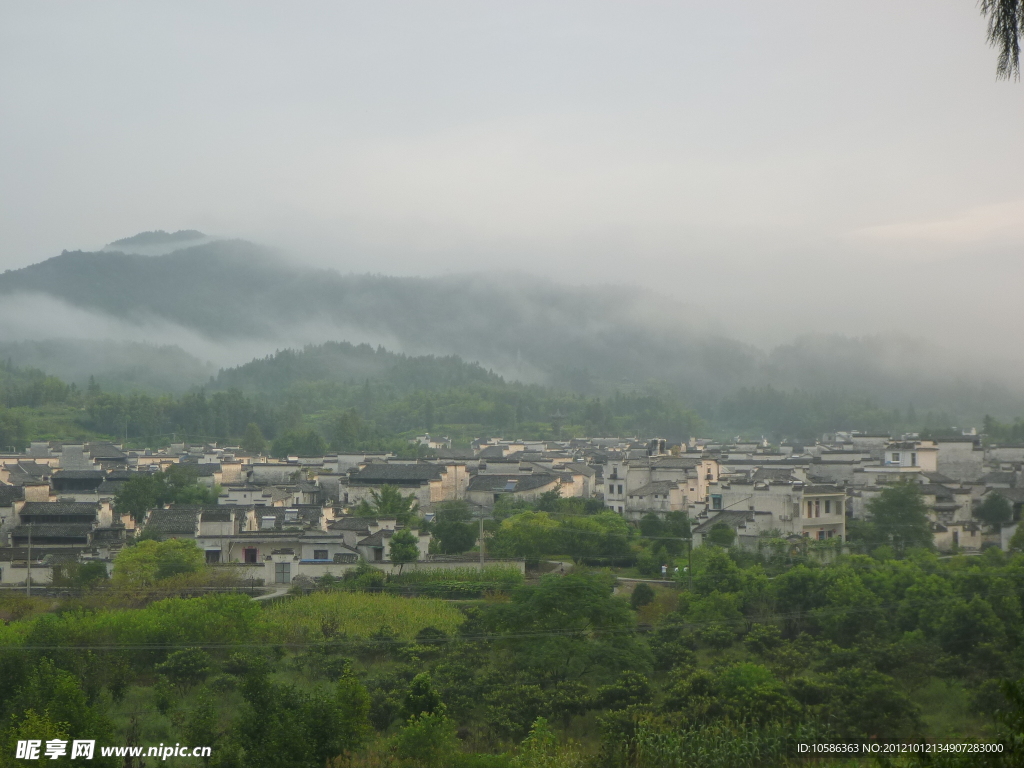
(737, 171)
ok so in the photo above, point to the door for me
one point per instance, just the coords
(282, 572)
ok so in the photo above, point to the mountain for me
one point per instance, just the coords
(585, 339)
(230, 301)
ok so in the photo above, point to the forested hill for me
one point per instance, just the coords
(229, 300)
(352, 364)
(585, 339)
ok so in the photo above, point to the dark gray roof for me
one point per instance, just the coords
(30, 468)
(936, 490)
(173, 521)
(503, 482)
(10, 554)
(992, 478)
(816, 489)
(60, 508)
(210, 516)
(774, 474)
(79, 474)
(376, 539)
(397, 473)
(105, 451)
(10, 494)
(53, 531)
(352, 524)
(658, 486)
(1012, 495)
(731, 517)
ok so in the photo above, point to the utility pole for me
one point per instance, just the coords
(28, 563)
(689, 560)
(481, 541)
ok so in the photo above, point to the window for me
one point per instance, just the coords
(821, 535)
(817, 507)
(319, 554)
(620, 489)
(282, 572)
(913, 459)
(895, 458)
(809, 509)
(828, 507)
(378, 553)
(212, 556)
(716, 502)
(250, 554)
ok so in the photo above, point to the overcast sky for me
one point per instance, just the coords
(810, 161)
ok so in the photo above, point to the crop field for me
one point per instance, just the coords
(356, 614)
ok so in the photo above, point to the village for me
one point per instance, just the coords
(279, 519)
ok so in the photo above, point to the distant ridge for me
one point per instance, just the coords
(158, 242)
(233, 296)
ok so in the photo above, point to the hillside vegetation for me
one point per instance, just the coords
(591, 342)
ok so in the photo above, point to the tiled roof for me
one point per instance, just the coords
(60, 508)
(215, 517)
(397, 473)
(10, 494)
(352, 524)
(658, 487)
(376, 539)
(53, 530)
(104, 451)
(816, 489)
(731, 517)
(992, 478)
(79, 474)
(173, 521)
(501, 482)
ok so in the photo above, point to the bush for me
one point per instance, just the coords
(642, 595)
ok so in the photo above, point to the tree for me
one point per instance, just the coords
(13, 431)
(297, 442)
(200, 723)
(1005, 26)
(78, 575)
(526, 534)
(642, 595)
(1017, 540)
(285, 727)
(404, 548)
(452, 529)
(899, 518)
(604, 535)
(151, 561)
(253, 441)
(428, 741)
(388, 503)
(139, 495)
(348, 431)
(721, 535)
(421, 699)
(994, 510)
(186, 668)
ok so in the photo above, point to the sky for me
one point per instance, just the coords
(787, 167)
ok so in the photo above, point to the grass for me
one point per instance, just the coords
(945, 709)
(357, 614)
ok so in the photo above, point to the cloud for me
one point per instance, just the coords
(986, 224)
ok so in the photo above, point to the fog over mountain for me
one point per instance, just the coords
(169, 321)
